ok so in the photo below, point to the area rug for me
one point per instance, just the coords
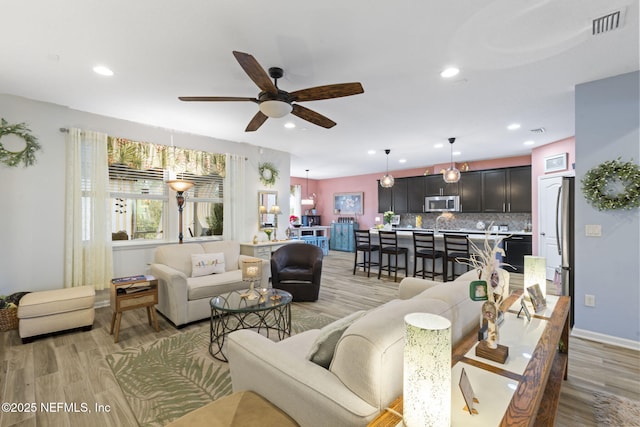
(175, 375)
(612, 410)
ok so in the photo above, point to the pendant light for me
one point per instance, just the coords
(387, 180)
(451, 175)
(309, 199)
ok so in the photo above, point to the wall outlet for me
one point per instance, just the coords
(590, 300)
(593, 230)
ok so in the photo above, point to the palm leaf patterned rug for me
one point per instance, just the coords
(175, 375)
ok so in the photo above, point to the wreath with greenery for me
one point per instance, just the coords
(26, 156)
(268, 173)
(597, 185)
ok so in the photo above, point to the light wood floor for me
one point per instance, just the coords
(71, 367)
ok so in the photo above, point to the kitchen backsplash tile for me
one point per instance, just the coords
(459, 220)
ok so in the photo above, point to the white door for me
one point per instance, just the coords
(548, 243)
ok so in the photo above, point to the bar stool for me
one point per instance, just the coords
(424, 247)
(389, 247)
(363, 244)
(456, 246)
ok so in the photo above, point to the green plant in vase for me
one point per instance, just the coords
(268, 232)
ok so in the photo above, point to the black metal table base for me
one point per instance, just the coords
(223, 322)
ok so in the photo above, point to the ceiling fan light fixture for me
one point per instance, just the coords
(275, 109)
(387, 180)
(451, 174)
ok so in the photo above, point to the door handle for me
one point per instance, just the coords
(543, 234)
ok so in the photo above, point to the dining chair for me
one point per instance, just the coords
(389, 247)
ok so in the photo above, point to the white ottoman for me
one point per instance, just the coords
(44, 312)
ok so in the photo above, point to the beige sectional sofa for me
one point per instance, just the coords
(365, 374)
(183, 298)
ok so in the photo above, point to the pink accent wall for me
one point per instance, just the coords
(368, 184)
(567, 145)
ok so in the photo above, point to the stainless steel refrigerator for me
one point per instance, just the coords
(565, 234)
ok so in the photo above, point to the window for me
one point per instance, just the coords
(140, 196)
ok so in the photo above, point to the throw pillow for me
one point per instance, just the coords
(323, 347)
(205, 264)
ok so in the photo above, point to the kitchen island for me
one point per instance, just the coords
(405, 239)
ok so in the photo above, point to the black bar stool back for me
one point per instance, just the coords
(424, 248)
(456, 246)
(389, 247)
(363, 244)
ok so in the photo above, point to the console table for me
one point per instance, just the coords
(541, 375)
(263, 250)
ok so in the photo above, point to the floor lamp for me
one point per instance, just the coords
(180, 186)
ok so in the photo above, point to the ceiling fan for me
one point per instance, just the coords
(275, 102)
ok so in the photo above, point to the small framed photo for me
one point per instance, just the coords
(537, 300)
(524, 309)
(556, 163)
(395, 220)
(467, 393)
(478, 290)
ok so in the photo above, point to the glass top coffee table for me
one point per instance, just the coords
(266, 308)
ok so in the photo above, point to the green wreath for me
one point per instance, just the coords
(596, 185)
(268, 173)
(26, 156)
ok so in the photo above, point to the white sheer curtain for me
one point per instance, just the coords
(234, 198)
(88, 258)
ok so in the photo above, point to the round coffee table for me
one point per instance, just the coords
(269, 310)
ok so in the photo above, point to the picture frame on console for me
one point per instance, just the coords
(537, 299)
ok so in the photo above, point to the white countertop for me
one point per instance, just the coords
(471, 234)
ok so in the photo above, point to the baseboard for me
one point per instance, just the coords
(606, 339)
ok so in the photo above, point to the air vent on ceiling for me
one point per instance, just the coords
(538, 130)
(609, 22)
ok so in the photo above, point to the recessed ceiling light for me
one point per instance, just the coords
(438, 146)
(102, 70)
(513, 126)
(449, 72)
(402, 161)
(456, 153)
(289, 125)
(529, 142)
(371, 152)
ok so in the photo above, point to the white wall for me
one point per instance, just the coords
(32, 199)
(608, 267)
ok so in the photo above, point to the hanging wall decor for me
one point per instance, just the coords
(268, 173)
(26, 156)
(613, 185)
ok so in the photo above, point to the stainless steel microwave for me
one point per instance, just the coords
(442, 204)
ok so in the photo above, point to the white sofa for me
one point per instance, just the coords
(183, 298)
(365, 374)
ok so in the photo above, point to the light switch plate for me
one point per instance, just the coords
(593, 230)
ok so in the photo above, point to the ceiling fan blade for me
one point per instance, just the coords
(313, 117)
(256, 122)
(327, 92)
(255, 71)
(216, 98)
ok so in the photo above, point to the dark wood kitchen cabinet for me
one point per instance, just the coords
(385, 199)
(507, 190)
(415, 193)
(515, 248)
(494, 190)
(435, 186)
(470, 187)
(519, 189)
(399, 196)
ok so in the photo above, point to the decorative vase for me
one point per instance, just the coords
(387, 227)
(490, 314)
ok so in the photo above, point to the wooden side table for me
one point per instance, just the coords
(129, 293)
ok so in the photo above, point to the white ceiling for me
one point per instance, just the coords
(519, 62)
